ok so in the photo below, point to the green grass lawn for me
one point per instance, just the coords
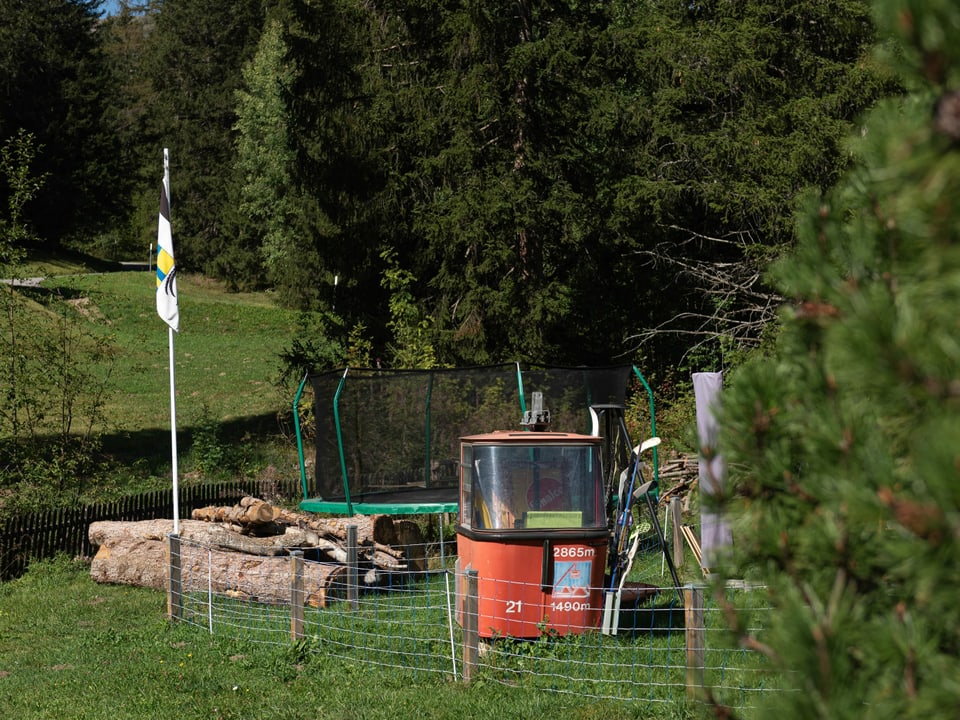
(228, 393)
(226, 353)
(70, 648)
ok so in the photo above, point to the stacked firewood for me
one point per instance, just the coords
(256, 527)
(240, 550)
(679, 477)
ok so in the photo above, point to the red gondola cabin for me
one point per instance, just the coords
(532, 524)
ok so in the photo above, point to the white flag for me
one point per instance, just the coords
(166, 266)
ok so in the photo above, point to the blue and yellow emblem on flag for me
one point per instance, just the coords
(167, 306)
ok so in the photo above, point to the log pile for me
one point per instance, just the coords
(679, 477)
(239, 550)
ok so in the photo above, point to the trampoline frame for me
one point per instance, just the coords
(444, 500)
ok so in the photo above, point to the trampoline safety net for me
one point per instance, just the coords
(388, 441)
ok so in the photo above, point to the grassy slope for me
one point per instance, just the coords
(226, 353)
(72, 649)
(227, 368)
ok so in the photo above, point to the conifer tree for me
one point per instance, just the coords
(263, 245)
(738, 107)
(53, 85)
(844, 444)
(194, 62)
(332, 170)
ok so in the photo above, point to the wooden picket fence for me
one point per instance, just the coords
(44, 534)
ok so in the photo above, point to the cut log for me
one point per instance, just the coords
(238, 551)
(135, 553)
(250, 511)
(224, 538)
(376, 534)
(410, 540)
(253, 512)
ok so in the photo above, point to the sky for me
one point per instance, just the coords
(109, 7)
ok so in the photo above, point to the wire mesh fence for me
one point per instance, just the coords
(671, 644)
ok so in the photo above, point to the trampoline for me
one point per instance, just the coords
(388, 441)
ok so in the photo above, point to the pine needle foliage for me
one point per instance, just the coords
(844, 443)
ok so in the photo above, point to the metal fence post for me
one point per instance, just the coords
(353, 594)
(175, 579)
(296, 595)
(693, 622)
(471, 625)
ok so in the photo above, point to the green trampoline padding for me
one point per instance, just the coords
(340, 507)
(424, 501)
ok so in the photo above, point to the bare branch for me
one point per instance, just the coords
(727, 272)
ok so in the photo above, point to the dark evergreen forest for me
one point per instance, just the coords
(455, 182)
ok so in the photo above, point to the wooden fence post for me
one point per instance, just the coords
(296, 595)
(693, 622)
(353, 580)
(471, 625)
(175, 584)
(676, 518)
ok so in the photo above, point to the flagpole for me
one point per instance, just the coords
(173, 386)
(173, 439)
